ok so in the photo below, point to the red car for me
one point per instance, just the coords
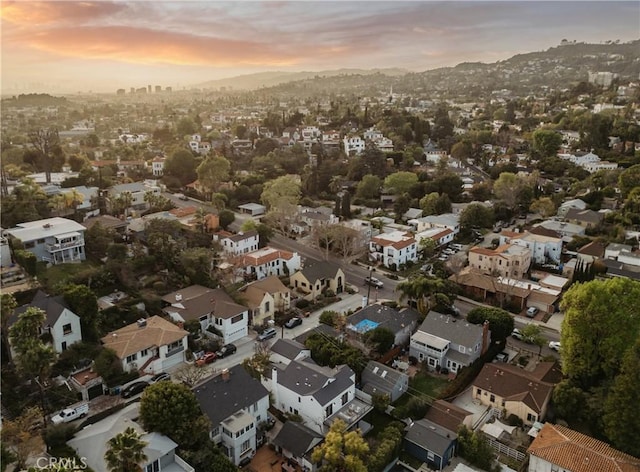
(208, 358)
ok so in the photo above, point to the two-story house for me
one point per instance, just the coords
(265, 297)
(317, 394)
(131, 196)
(53, 240)
(558, 448)
(353, 145)
(240, 243)
(157, 166)
(150, 345)
(445, 221)
(236, 404)
(544, 249)
(379, 379)
(585, 218)
(516, 391)
(92, 442)
(507, 260)
(62, 324)
(212, 307)
(316, 277)
(449, 343)
(393, 249)
(401, 323)
(440, 236)
(270, 261)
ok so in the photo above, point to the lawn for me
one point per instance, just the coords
(379, 421)
(423, 383)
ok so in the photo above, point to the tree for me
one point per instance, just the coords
(427, 247)
(500, 321)
(186, 126)
(507, 188)
(476, 215)
(213, 171)
(108, 365)
(475, 448)
(226, 217)
(621, 419)
(381, 339)
(96, 241)
(462, 150)
(173, 410)
(428, 203)
(369, 187)
(544, 206)
(345, 206)
(596, 332)
(181, 165)
(421, 289)
(190, 374)
(7, 305)
(546, 142)
(84, 303)
(401, 205)
(629, 179)
(342, 450)
(197, 264)
(400, 183)
(22, 435)
(45, 142)
(281, 192)
(532, 333)
(125, 451)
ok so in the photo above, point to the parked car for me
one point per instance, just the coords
(226, 350)
(373, 282)
(159, 378)
(502, 357)
(456, 247)
(532, 311)
(134, 389)
(555, 345)
(517, 334)
(293, 322)
(206, 358)
(70, 414)
(181, 196)
(267, 334)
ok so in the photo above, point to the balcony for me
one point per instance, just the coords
(174, 351)
(61, 246)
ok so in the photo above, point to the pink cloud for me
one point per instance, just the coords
(31, 14)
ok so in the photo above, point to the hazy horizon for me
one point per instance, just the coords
(67, 47)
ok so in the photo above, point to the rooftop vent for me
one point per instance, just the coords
(46, 225)
(142, 323)
(178, 297)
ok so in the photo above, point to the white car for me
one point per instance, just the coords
(555, 345)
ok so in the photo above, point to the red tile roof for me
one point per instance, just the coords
(577, 452)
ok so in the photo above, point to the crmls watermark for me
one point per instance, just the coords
(61, 463)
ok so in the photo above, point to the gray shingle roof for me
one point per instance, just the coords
(296, 438)
(430, 436)
(220, 399)
(386, 317)
(457, 331)
(288, 348)
(52, 306)
(318, 270)
(306, 378)
(373, 377)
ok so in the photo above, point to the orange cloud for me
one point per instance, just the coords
(145, 46)
(39, 13)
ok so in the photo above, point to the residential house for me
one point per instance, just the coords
(613, 250)
(157, 166)
(61, 324)
(412, 214)
(264, 298)
(363, 227)
(449, 416)
(319, 395)
(516, 391)
(283, 351)
(448, 343)
(53, 240)
(507, 260)
(270, 261)
(240, 243)
(379, 379)
(212, 307)
(445, 221)
(150, 345)
(131, 195)
(558, 448)
(253, 209)
(316, 277)
(629, 258)
(575, 203)
(394, 249)
(309, 218)
(401, 323)
(589, 253)
(430, 443)
(584, 218)
(86, 196)
(544, 249)
(440, 236)
(92, 442)
(353, 145)
(236, 405)
(566, 230)
(295, 442)
(107, 222)
(87, 383)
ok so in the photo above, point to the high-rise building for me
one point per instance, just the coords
(158, 88)
(149, 88)
(120, 92)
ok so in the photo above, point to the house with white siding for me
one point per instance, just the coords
(270, 261)
(393, 249)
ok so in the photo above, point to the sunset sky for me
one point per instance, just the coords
(60, 46)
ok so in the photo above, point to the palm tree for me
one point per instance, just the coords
(420, 289)
(126, 452)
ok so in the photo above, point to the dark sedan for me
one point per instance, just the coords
(293, 322)
(134, 389)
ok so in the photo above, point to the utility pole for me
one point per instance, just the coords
(369, 286)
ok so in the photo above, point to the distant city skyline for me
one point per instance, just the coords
(65, 47)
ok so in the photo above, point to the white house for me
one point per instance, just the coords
(270, 261)
(237, 405)
(393, 249)
(211, 307)
(150, 345)
(353, 145)
(54, 240)
(157, 166)
(60, 322)
(240, 243)
(445, 221)
(447, 342)
(544, 249)
(135, 191)
(440, 236)
(317, 394)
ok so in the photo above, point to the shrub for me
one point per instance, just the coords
(328, 317)
(303, 303)
(513, 420)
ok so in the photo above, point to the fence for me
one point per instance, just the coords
(506, 450)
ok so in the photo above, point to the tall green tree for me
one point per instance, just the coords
(507, 188)
(369, 187)
(500, 321)
(476, 215)
(7, 305)
(596, 332)
(342, 450)
(84, 303)
(125, 452)
(621, 418)
(284, 190)
(399, 183)
(212, 172)
(629, 179)
(172, 409)
(546, 142)
(182, 165)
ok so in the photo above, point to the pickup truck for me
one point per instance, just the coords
(70, 414)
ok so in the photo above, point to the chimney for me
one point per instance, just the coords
(178, 297)
(485, 337)
(274, 385)
(226, 375)
(142, 323)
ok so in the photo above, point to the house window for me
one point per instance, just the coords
(267, 306)
(144, 353)
(132, 358)
(345, 398)
(531, 418)
(478, 391)
(329, 410)
(215, 431)
(153, 467)
(237, 319)
(492, 398)
(66, 329)
(245, 446)
(503, 403)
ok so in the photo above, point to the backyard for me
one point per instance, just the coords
(423, 386)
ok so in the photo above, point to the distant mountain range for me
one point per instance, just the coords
(270, 79)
